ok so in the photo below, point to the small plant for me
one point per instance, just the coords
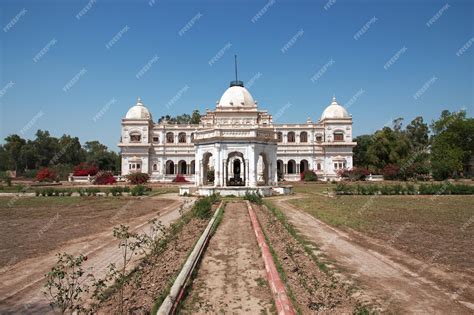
(46, 175)
(85, 169)
(138, 178)
(253, 197)
(66, 282)
(6, 178)
(138, 190)
(105, 178)
(309, 176)
(202, 209)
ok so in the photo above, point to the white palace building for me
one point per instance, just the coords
(239, 142)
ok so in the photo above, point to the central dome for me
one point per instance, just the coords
(138, 111)
(335, 111)
(236, 96)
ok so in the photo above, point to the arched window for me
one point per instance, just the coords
(291, 167)
(318, 166)
(193, 167)
(338, 136)
(135, 137)
(155, 167)
(192, 136)
(182, 167)
(156, 139)
(182, 137)
(304, 136)
(319, 138)
(279, 137)
(169, 137)
(291, 136)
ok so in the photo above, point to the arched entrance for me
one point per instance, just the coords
(236, 169)
(182, 167)
(207, 169)
(193, 167)
(291, 167)
(169, 167)
(263, 161)
(304, 166)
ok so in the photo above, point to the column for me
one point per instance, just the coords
(247, 172)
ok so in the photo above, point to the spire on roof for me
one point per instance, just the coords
(236, 82)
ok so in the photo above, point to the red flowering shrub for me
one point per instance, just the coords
(308, 176)
(180, 179)
(85, 169)
(391, 171)
(104, 178)
(46, 175)
(356, 173)
(138, 178)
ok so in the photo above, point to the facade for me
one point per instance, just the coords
(238, 142)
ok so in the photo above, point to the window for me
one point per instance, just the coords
(335, 166)
(291, 167)
(170, 137)
(182, 137)
(156, 139)
(338, 136)
(304, 137)
(291, 136)
(134, 166)
(135, 137)
(318, 166)
(279, 137)
(319, 138)
(155, 167)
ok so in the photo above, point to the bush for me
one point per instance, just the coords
(309, 176)
(104, 178)
(356, 173)
(46, 175)
(85, 169)
(92, 191)
(138, 178)
(7, 179)
(253, 197)
(139, 190)
(180, 179)
(30, 173)
(203, 208)
(391, 172)
(116, 191)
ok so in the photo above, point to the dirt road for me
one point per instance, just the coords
(231, 276)
(21, 283)
(395, 286)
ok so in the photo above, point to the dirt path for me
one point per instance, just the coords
(231, 276)
(397, 288)
(21, 284)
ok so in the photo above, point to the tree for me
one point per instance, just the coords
(388, 147)
(4, 159)
(452, 144)
(195, 117)
(397, 124)
(13, 146)
(71, 151)
(417, 132)
(47, 147)
(98, 154)
(360, 150)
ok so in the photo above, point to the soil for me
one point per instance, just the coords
(231, 277)
(152, 277)
(91, 234)
(393, 280)
(315, 291)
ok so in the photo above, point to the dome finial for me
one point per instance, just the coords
(334, 97)
(139, 101)
(236, 82)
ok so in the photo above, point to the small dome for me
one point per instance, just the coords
(138, 111)
(334, 111)
(235, 96)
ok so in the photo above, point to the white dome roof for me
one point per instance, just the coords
(236, 96)
(334, 111)
(138, 111)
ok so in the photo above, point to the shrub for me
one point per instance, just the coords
(139, 190)
(203, 208)
(116, 191)
(391, 172)
(309, 176)
(138, 178)
(46, 175)
(84, 169)
(356, 173)
(104, 178)
(410, 189)
(180, 179)
(253, 197)
(30, 173)
(92, 191)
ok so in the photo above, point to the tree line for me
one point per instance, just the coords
(444, 149)
(61, 154)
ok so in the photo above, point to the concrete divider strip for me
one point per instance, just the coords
(177, 290)
(282, 302)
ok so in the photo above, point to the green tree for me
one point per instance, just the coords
(388, 147)
(195, 117)
(98, 154)
(47, 147)
(417, 132)
(360, 150)
(13, 145)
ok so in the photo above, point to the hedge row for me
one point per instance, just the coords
(406, 189)
(138, 190)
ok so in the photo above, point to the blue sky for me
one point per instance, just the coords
(298, 52)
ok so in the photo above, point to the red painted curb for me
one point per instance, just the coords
(282, 302)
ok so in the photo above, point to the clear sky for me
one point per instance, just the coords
(75, 67)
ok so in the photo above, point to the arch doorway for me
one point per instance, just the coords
(304, 166)
(207, 169)
(236, 169)
(169, 167)
(182, 167)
